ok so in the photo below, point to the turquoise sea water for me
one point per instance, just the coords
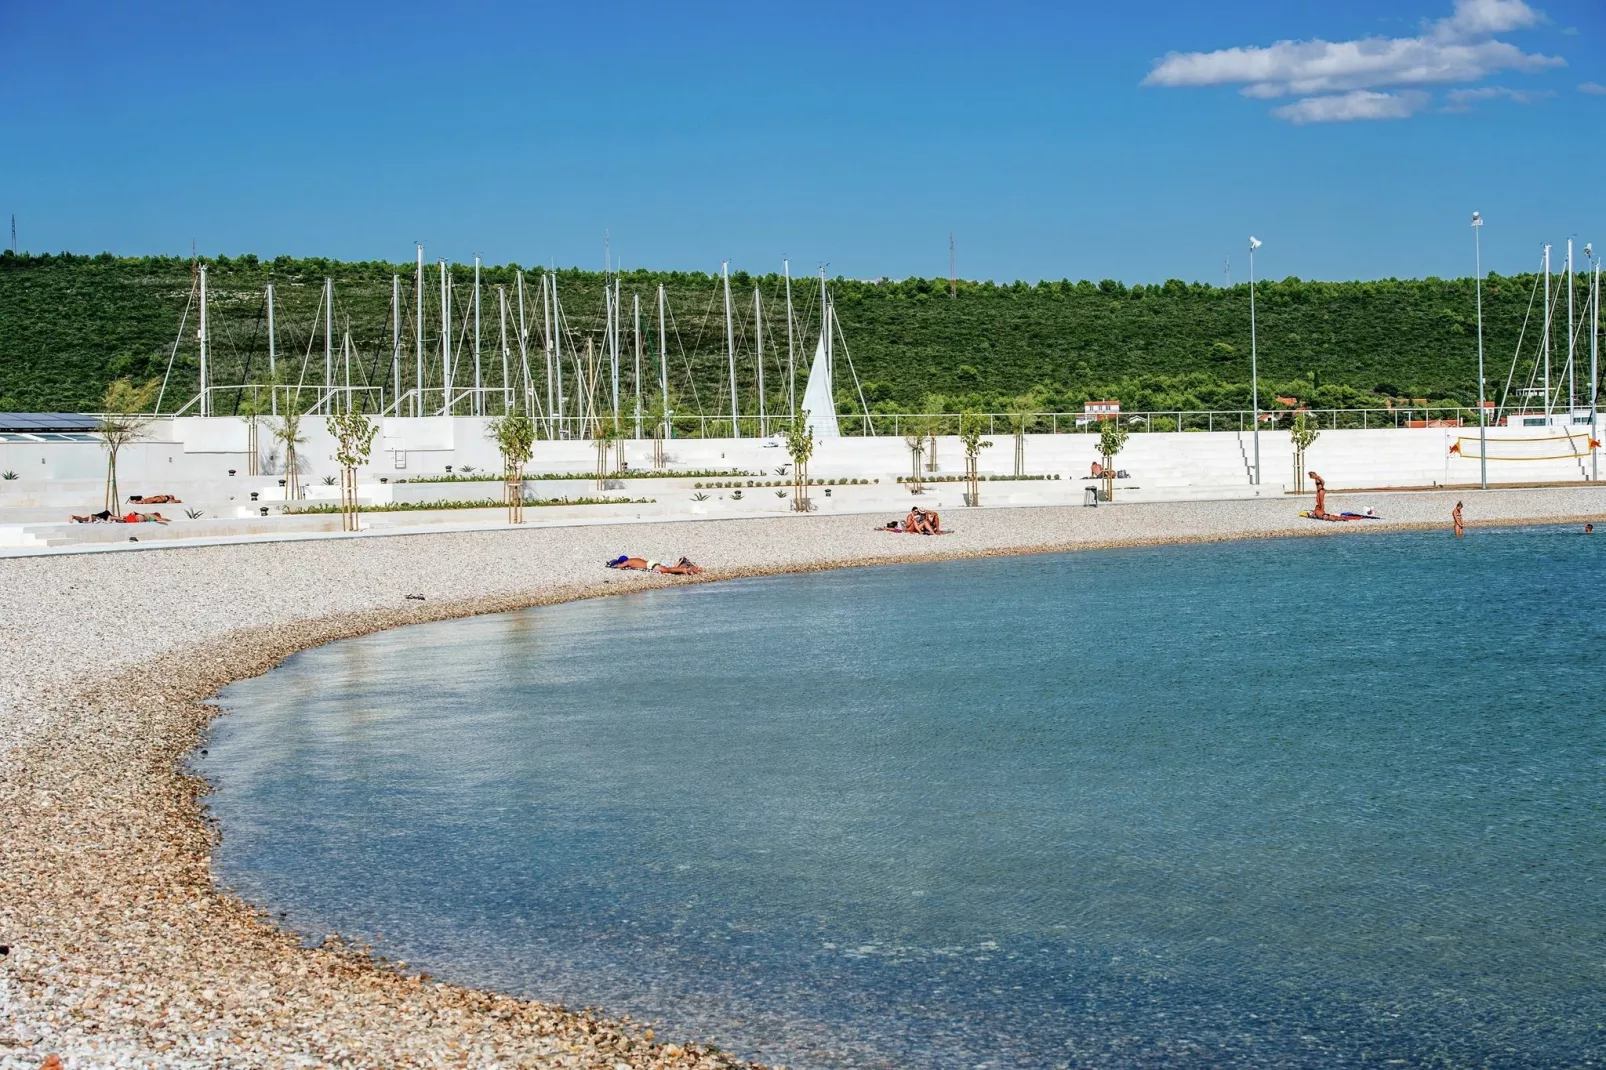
(1299, 802)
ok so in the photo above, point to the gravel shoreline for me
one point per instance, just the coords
(121, 950)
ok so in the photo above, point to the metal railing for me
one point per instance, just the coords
(495, 401)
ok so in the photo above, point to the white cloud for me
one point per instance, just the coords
(1354, 105)
(1459, 48)
(1593, 87)
(1462, 99)
(1484, 18)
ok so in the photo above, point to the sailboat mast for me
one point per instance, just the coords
(552, 406)
(395, 341)
(613, 350)
(501, 309)
(524, 351)
(730, 346)
(1571, 381)
(663, 364)
(206, 404)
(556, 334)
(758, 333)
(328, 342)
(635, 316)
(1594, 374)
(791, 358)
(1547, 330)
(273, 360)
(478, 408)
(418, 334)
(345, 356)
(446, 343)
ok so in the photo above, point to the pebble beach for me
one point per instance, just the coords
(119, 949)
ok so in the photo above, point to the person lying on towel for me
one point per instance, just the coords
(154, 499)
(683, 567)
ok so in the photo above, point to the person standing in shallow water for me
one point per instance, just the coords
(1460, 525)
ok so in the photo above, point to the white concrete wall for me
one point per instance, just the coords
(192, 458)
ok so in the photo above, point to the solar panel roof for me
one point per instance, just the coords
(47, 421)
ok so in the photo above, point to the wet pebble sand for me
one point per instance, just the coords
(119, 950)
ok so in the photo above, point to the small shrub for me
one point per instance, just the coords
(696, 486)
(469, 469)
(8, 475)
(194, 514)
(328, 481)
(699, 497)
(780, 494)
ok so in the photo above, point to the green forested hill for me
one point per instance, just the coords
(69, 324)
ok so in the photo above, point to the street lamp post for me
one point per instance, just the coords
(1254, 368)
(1483, 418)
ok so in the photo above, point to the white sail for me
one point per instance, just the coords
(818, 395)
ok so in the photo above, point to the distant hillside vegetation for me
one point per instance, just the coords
(69, 324)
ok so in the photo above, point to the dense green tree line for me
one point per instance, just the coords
(69, 324)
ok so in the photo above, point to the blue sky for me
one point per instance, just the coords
(1138, 142)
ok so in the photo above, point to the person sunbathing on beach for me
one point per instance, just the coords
(683, 567)
(144, 518)
(634, 564)
(103, 517)
(154, 499)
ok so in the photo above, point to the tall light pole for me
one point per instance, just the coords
(1254, 363)
(1483, 418)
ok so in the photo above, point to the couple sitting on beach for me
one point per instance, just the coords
(108, 517)
(918, 522)
(683, 567)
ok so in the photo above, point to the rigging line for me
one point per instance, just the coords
(1527, 316)
(182, 321)
(1560, 373)
(312, 338)
(859, 389)
(684, 359)
(245, 374)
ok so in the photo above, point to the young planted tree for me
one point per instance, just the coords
(288, 431)
(1303, 432)
(915, 439)
(253, 408)
(972, 429)
(354, 434)
(800, 447)
(123, 420)
(515, 437)
(1020, 418)
(603, 435)
(662, 416)
(933, 404)
(1112, 437)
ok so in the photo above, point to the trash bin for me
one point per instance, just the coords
(1090, 497)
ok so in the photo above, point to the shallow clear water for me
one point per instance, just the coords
(1298, 802)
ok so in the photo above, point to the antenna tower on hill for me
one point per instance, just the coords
(953, 276)
(13, 233)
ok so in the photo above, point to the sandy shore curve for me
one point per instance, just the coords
(119, 948)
